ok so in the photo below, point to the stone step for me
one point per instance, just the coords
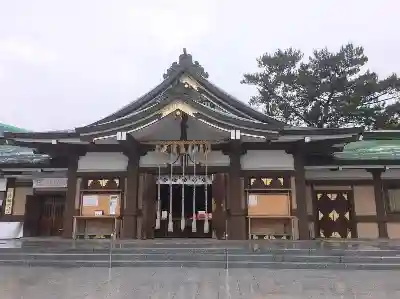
(194, 258)
(196, 250)
(200, 264)
(187, 256)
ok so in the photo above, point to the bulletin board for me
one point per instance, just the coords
(109, 204)
(269, 204)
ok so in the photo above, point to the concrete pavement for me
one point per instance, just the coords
(186, 283)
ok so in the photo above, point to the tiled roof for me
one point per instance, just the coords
(9, 128)
(371, 150)
(10, 154)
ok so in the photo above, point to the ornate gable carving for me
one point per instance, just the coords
(178, 105)
(186, 62)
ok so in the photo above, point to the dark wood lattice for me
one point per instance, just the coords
(333, 212)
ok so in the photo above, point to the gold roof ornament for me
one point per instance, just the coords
(334, 215)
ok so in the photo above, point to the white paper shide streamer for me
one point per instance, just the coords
(170, 223)
(183, 220)
(158, 218)
(206, 224)
(194, 227)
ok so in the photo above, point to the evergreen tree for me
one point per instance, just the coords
(330, 89)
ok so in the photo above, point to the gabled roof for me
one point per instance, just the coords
(186, 83)
(186, 70)
(183, 97)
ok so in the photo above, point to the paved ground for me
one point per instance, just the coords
(168, 283)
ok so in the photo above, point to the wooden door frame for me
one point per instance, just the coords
(31, 225)
(352, 215)
(43, 196)
(149, 198)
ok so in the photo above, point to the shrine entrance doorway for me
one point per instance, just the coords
(185, 207)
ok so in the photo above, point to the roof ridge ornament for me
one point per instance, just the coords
(186, 63)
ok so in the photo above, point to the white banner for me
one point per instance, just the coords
(11, 230)
(3, 185)
(49, 183)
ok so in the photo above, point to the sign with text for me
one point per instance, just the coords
(50, 183)
(9, 201)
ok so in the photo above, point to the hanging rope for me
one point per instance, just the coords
(194, 228)
(206, 224)
(183, 220)
(170, 223)
(158, 219)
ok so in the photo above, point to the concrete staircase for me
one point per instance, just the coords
(204, 254)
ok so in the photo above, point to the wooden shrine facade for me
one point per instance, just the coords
(262, 178)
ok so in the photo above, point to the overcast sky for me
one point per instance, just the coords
(64, 64)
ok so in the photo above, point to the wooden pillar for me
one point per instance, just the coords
(379, 202)
(69, 210)
(219, 205)
(130, 211)
(236, 214)
(300, 181)
(150, 206)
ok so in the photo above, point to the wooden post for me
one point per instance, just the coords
(69, 211)
(300, 182)
(219, 205)
(236, 214)
(379, 202)
(129, 230)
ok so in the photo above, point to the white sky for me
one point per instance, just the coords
(68, 63)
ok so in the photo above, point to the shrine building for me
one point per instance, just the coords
(188, 160)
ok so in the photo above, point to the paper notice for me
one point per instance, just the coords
(113, 204)
(90, 200)
(252, 200)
